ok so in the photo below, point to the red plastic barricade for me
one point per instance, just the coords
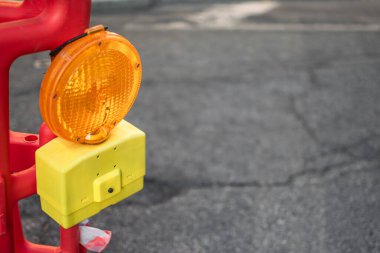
(25, 28)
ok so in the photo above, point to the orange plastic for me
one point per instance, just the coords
(90, 86)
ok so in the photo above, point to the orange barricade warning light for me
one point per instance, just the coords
(90, 86)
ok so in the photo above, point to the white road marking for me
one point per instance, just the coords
(227, 15)
(230, 16)
(42, 63)
(259, 27)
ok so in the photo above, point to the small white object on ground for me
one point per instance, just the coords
(94, 239)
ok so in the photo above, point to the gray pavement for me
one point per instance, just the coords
(262, 130)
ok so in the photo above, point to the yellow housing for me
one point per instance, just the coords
(77, 181)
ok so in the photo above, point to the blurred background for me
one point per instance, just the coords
(262, 123)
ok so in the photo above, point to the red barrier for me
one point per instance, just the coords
(29, 27)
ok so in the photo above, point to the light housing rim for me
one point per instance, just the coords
(68, 59)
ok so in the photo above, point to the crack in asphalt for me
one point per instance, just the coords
(175, 189)
(290, 180)
(300, 118)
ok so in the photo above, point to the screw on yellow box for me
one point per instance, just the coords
(76, 181)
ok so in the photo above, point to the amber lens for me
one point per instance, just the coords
(90, 86)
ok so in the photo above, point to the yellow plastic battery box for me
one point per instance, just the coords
(76, 181)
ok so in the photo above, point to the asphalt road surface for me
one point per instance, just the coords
(263, 129)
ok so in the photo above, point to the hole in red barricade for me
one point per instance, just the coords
(25, 79)
(31, 138)
(38, 227)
